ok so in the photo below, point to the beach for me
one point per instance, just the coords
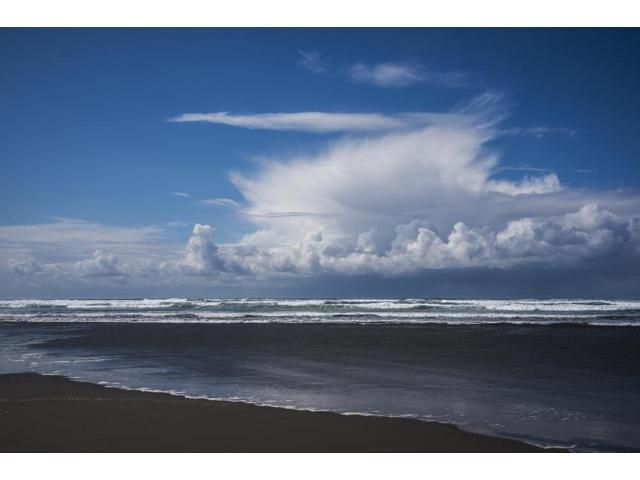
(557, 373)
(53, 414)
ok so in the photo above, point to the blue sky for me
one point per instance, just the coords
(88, 147)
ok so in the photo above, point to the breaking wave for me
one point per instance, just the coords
(586, 312)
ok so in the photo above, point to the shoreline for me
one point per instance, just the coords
(50, 413)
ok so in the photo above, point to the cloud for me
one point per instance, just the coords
(201, 256)
(314, 62)
(529, 185)
(484, 110)
(425, 197)
(101, 264)
(383, 74)
(426, 194)
(221, 202)
(63, 233)
(521, 168)
(390, 74)
(24, 266)
(359, 183)
(67, 249)
(288, 214)
(386, 74)
(180, 194)
(75, 231)
(540, 132)
(320, 122)
(563, 241)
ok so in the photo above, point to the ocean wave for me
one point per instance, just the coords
(365, 304)
(353, 319)
(361, 311)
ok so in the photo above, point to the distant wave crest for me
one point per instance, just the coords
(586, 312)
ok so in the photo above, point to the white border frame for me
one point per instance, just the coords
(300, 13)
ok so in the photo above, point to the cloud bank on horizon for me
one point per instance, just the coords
(393, 196)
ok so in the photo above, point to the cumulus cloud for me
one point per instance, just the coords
(419, 198)
(181, 194)
(101, 264)
(562, 241)
(75, 250)
(421, 192)
(588, 232)
(201, 256)
(24, 266)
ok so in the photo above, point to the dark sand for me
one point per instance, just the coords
(53, 414)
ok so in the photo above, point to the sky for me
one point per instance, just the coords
(319, 162)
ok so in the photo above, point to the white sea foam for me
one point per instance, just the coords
(357, 311)
(365, 304)
(494, 319)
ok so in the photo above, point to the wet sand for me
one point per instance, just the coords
(53, 414)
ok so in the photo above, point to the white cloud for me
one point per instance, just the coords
(201, 256)
(483, 111)
(383, 74)
(540, 131)
(76, 231)
(73, 249)
(101, 264)
(360, 183)
(387, 74)
(560, 241)
(321, 122)
(424, 194)
(416, 199)
(586, 233)
(395, 75)
(314, 62)
(181, 194)
(529, 185)
(221, 202)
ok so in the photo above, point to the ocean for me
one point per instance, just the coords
(549, 372)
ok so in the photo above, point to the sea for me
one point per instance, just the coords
(556, 372)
